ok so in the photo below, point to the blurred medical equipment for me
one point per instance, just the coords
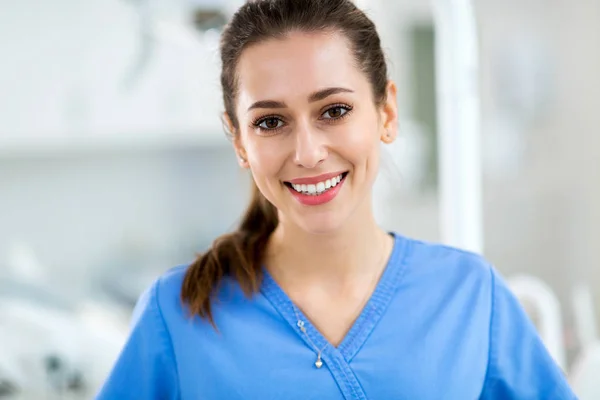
(194, 25)
(52, 345)
(585, 370)
(585, 373)
(585, 317)
(545, 308)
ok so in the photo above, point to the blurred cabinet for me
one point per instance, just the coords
(101, 73)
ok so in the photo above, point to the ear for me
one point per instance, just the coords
(237, 142)
(389, 114)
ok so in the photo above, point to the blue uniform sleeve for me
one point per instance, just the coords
(519, 366)
(145, 369)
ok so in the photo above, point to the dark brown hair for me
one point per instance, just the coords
(240, 254)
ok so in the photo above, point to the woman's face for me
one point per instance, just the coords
(309, 129)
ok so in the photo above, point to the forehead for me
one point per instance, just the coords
(295, 66)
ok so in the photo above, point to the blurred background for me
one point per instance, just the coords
(114, 167)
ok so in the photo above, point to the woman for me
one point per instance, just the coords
(309, 298)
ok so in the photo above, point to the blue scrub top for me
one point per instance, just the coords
(441, 324)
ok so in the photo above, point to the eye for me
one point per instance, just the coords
(336, 112)
(269, 123)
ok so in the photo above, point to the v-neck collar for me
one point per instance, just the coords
(366, 321)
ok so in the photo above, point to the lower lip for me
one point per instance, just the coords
(316, 200)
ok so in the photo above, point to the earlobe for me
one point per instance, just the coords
(388, 137)
(240, 152)
(243, 161)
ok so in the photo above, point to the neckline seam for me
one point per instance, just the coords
(400, 273)
(365, 323)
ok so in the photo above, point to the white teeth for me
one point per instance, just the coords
(319, 187)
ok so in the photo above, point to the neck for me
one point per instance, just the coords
(356, 251)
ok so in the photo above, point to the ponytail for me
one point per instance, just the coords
(238, 255)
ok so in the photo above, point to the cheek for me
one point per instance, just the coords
(361, 143)
(263, 157)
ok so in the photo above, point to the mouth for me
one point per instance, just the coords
(318, 188)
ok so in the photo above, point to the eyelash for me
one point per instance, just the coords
(256, 123)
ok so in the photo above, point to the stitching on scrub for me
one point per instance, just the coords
(277, 298)
(348, 380)
(402, 268)
(166, 328)
(490, 330)
(334, 369)
(353, 350)
(284, 305)
(357, 388)
(399, 250)
(349, 384)
(394, 283)
(274, 298)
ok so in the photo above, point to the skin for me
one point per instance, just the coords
(327, 258)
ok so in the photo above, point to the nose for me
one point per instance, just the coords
(311, 149)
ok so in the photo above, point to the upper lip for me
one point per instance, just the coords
(314, 179)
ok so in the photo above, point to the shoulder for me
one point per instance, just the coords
(427, 259)
(146, 367)
(168, 285)
(162, 297)
(444, 279)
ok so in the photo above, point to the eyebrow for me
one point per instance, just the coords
(322, 94)
(316, 96)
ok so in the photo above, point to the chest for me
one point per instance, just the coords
(332, 318)
(378, 371)
(258, 356)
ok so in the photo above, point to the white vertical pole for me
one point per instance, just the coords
(458, 115)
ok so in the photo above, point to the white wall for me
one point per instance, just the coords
(542, 183)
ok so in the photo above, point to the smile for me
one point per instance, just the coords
(313, 192)
(318, 188)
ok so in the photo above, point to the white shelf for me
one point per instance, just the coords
(57, 146)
